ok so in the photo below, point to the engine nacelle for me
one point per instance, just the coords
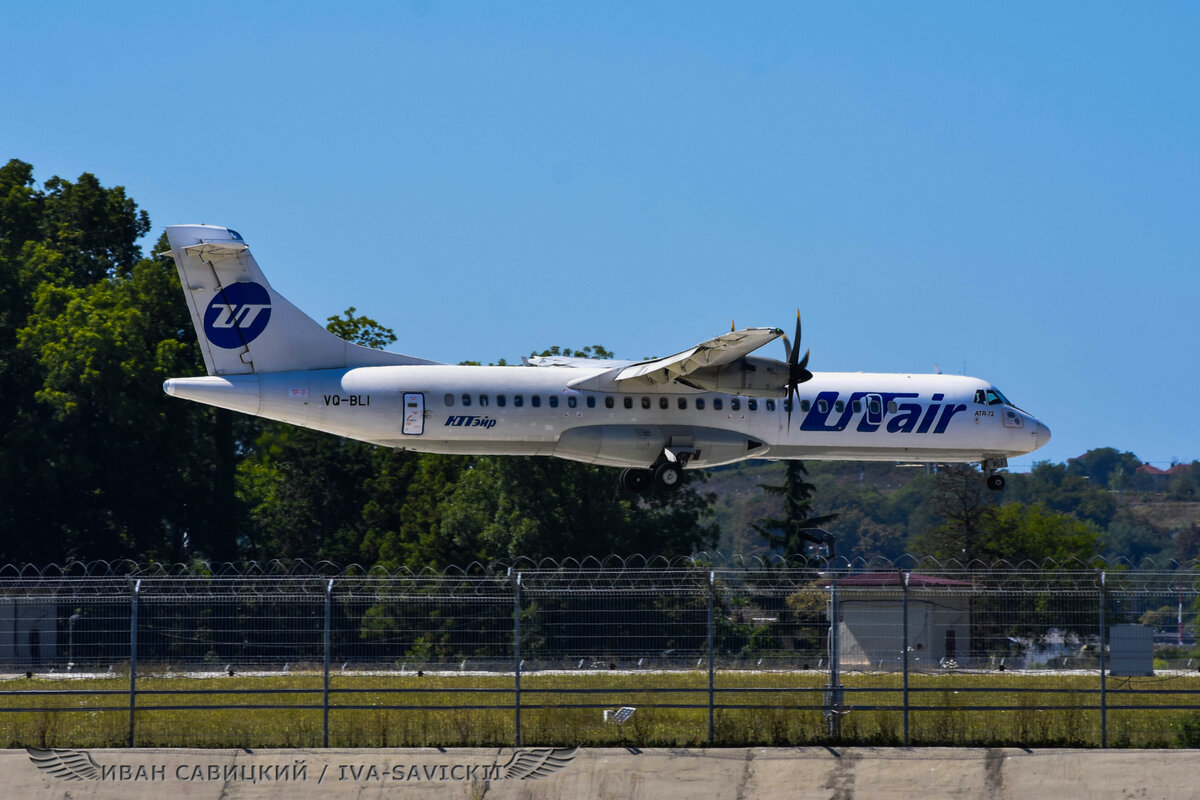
(750, 376)
(641, 445)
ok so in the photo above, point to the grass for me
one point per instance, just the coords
(753, 708)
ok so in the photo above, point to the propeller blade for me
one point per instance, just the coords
(797, 369)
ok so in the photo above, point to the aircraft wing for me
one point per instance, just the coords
(724, 349)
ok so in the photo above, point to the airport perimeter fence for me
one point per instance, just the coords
(635, 652)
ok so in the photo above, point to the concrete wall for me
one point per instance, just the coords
(801, 773)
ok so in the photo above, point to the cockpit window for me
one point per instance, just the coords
(995, 398)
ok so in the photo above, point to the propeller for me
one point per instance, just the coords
(797, 369)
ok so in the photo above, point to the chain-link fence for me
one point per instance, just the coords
(753, 653)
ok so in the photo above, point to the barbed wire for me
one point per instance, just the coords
(703, 560)
(283, 579)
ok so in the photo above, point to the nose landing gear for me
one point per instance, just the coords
(995, 481)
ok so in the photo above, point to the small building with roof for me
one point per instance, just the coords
(870, 620)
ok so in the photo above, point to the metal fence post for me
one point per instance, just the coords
(833, 697)
(1103, 665)
(711, 654)
(905, 575)
(328, 646)
(133, 649)
(517, 660)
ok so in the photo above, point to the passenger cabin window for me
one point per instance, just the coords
(554, 401)
(646, 402)
(718, 404)
(591, 401)
(682, 402)
(629, 402)
(752, 404)
(501, 400)
(823, 406)
(892, 407)
(483, 399)
(735, 404)
(572, 400)
(804, 406)
(770, 405)
(874, 406)
(664, 403)
(466, 398)
(839, 406)
(787, 404)
(857, 406)
(609, 402)
(519, 400)
(449, 400)
(699, 403)
(535, 401)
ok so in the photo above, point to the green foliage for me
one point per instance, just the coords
(785, 533)
(1105, 467)
(591, 351)
(94, 461)
(544, 508)
(361, 330)
(1014, 532)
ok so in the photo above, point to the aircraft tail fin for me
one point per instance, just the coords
(245, 326)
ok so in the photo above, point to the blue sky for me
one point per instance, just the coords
(1009, 190)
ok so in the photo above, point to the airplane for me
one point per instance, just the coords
(708, 405)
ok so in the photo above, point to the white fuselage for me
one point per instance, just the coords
(539, 411)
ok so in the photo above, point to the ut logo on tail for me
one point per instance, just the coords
(237, 315)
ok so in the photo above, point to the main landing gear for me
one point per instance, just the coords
(995, 481)
(664, 477)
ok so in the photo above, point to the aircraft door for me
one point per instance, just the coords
(874, 409)
(414, 414)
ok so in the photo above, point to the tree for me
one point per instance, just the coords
(360, 330)
(1016, 533)
(94, 461)
(961, 498)
(1105, 467)
(786, 533)
(506, 507)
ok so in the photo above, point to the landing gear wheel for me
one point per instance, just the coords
(636, 480)
(668, 476)
(995, 482)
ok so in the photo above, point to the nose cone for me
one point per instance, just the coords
(1041, 435)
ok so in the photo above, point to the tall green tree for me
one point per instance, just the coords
(786, 534)
(95, 462)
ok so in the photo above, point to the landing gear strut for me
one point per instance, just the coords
(995, 481)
